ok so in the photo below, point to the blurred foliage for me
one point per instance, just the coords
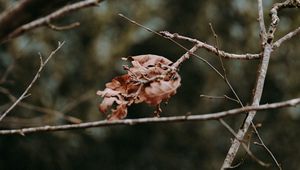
(91, 57)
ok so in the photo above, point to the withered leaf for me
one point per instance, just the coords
(150, 79)
(159, 91)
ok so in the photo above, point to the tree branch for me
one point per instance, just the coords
(24, 12)
(210, 48)
(37, 75)
(261, 143)
(210, 116)
(261, 21)
(185, 56)
(286, 37)
(47, 19)
(262, 71)
(247, 149)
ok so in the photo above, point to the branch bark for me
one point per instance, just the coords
(203, 117)
(29, 23)
(261, 22)
(262, 71)
(211, 48)
(24, 12)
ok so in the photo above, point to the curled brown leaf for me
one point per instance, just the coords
(150, 79)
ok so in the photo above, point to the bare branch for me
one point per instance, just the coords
(256, 99)
(220, 97)
(185, 56)
(208, 47)
(265, 147)
(262, 71)
(37, 75)
(47, 19)
(261, 21)
(22, 13)
(204, 117)
(274, 16)
(212, 48)
(172, 40)
(247, 149)
(223, 67)
(62, 113)
(286, 37)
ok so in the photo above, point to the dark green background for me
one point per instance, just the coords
(91, 57)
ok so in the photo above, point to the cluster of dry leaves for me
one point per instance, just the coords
(151, 79)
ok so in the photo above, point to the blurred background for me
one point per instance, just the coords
(91, 56)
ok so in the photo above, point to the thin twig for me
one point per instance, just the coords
(224, 70)
(223, 67)
(218, 47)
(204, 117)
(54, 15)
(37, 75)
(140, 25)
(220, 97)
(265, 146)
(188, 52)
(185, 56)
(247, 149)
(232, 99)
(60, 113)
(210, 48)
(286, 37)
(218, 52)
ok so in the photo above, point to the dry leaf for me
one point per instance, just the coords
(159, 91)
(150, 79)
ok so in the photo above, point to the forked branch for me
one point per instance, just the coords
(36, 77)
(210, 48)
(262, 71)
(200, 44)
(45, 21)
